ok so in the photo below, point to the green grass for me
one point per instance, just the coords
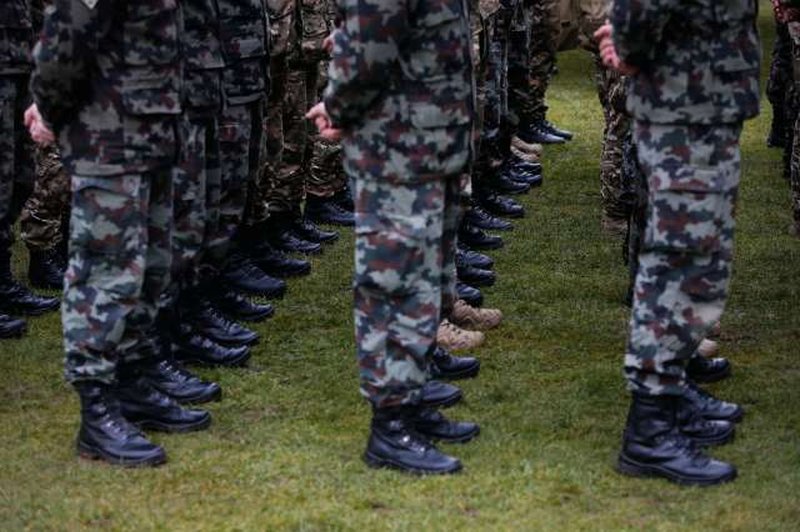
(284, 449)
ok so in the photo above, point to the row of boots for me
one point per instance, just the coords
(202, 326)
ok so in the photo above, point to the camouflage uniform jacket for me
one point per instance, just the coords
(244, 35)
(401, 87)
(699, 60)
(202, 53)
(16, 35)
(108, 80)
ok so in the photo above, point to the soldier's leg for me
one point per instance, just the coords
(794, 180)
(685, 261)
(9, 327)
(680, 293)
(16, 184)
(43, 217)
(616, 204)
(326, 184)
(778, 85)
(288, 176)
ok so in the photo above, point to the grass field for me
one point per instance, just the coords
(284, 449)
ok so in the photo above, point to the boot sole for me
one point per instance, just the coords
(250, 318)
(236, 363)
(444, 403)
(382, 463)
(633, 468)
(466, 374)
(723, 439)
(485, 247)
(89, 452)
(158, 426)
(474, 283)
(195, 400)
(460, 439)
(283, 274)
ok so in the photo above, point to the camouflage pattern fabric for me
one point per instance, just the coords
(45, 212)
(324, 175)
(687, 247)
(244, 31)
(119, 265)
(779, 86)
(240, 153)
(533, 61)
(616, 204)
(403, 234)
(401, 89)
(793, 147)
(717, 38)
(108, 79)
(196, 185)
(16, 165)
(16, 36)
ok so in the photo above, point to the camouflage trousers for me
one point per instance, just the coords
(240, 153)
(611, 90)
(119, 265)
(794, 174)
(685, 258)
(283, 179)
(196, 197)
(532, 60)
(46, 213)
(404, 278)
(324, 174)
(16, 163)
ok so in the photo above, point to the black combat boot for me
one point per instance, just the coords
(282, 237)
(433, 425)
(16, 298)
(445, 366)
(476, 277)
(473, 296)
(702, 369)
(653, 445)
(277, 264)
(106, 435)
(239, 307)
(45, 270)
(328, 211)
(474, 258)
(144, 405)
(557, 131)
(308, 230)
(11, 327)
(478, 217)
(503, 184)
(537, 133)
(210, 323)
(474, 238)
(436, 394)
(500, 205)
(703, 432)
(524, 172)
(394, 443)
(243, 275)
(345, 199)
(709, 406)
(193, 348)
(171, 378)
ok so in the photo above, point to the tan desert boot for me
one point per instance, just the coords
(708, 348)
(478, 319)
(455, 338)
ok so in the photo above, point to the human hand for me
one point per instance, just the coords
(39, 131)
(608, 52)
(319, 115)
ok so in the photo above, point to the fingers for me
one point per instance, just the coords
(602, 32)
(31, 114)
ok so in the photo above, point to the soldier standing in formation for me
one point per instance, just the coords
(694, 80)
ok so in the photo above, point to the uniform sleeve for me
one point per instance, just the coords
(64, 54)
(365, 56)
(638, 27)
